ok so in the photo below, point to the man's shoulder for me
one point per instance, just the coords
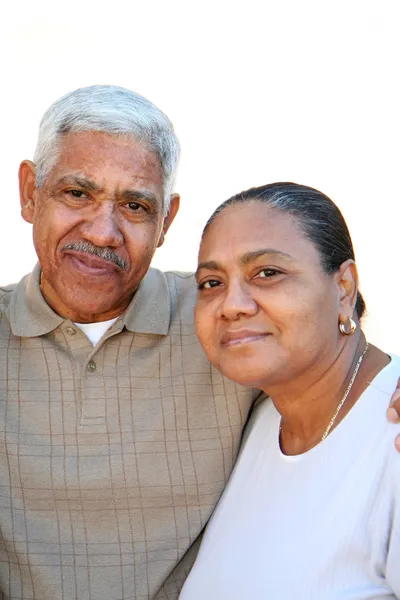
(6, 296)
(183, 278)
(5, 293)
(182, 287)
(6, 289)
(180, 284)
(182, 293)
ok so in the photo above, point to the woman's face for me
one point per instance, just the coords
(266, 311)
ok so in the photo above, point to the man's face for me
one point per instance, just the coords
(97, 222)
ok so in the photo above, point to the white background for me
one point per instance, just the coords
(296, 90)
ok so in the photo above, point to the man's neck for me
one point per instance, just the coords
(75, 314)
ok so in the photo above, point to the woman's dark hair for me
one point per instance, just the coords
(319, 218)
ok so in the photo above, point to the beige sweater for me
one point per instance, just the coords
(111, 458)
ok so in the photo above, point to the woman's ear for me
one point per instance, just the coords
(27, 189)
(347, 282)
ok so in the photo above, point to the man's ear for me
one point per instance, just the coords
(173, 209)
(347, 281)
(27, 189)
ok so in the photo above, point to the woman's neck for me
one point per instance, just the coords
(308, 402)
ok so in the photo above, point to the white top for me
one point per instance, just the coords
(321, 525)
(95, 331)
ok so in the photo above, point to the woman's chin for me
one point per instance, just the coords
(248, 377)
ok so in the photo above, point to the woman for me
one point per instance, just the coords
(312, 509)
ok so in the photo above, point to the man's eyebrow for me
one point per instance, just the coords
(82, 182)
(133, 195)
(91, 186)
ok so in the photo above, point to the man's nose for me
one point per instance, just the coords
(238, 301)
(102, 227)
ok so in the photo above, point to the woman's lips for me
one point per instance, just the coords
(243, 336)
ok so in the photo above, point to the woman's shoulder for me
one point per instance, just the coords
(380, 390)
(384, 383)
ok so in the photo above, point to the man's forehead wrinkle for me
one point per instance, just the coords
(71, 141)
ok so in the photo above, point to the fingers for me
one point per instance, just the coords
(393, 412)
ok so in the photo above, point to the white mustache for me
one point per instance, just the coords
(104, 253)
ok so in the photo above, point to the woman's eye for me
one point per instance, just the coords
(266, 273)
(207, 285)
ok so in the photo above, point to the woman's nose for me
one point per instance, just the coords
(238, 301)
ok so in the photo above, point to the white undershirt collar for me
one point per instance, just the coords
(95, 331)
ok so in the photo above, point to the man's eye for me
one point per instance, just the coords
(134, 206)
(76, 193)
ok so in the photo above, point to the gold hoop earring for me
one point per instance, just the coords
(348, 327)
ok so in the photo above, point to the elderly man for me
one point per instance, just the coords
(117, 436)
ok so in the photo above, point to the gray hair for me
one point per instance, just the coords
(109, 109)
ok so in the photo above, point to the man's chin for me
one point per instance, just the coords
(81, 304)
